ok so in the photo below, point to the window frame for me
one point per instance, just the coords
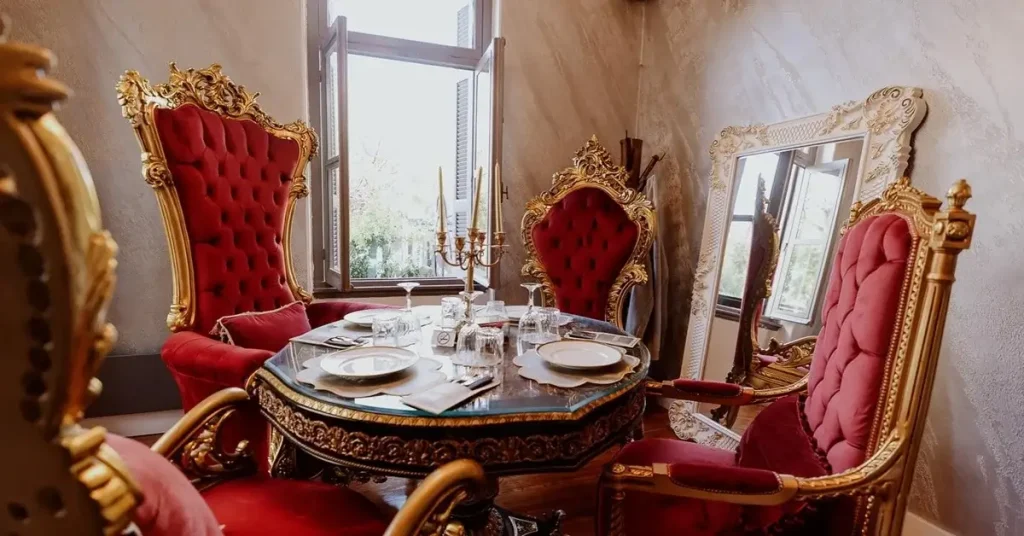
(319, 32)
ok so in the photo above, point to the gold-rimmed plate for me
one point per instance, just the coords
(368, 362)
(579, 355)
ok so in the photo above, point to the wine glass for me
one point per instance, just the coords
(465, 341)
(538, 326)
(408, 318)
(530, 287)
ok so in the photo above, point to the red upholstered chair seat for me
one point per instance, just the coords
(583, 242)
(241, 507)
(829, 432)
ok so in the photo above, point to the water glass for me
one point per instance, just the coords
(489, 347)
(386, 330)
(453, 311)
(538, 326)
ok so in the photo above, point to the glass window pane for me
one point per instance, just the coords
(402, 126)
(746, 190)
(334, 231)
(331, 104)
(818, 210)
(444, 22)
(796, 294)
(735, 259)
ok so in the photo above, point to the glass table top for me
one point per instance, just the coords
(515, 394)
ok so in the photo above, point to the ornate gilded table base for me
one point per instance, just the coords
(306, 444)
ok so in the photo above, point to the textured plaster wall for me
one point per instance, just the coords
(260, 44)
(708, 65)
(571, 71)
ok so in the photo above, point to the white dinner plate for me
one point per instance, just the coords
(579, 355)
(515, 312)
(368, 362)
(365, 317)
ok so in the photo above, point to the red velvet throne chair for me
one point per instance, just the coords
(227, 178)
(833, 452)
(58, 272)
(587, 237)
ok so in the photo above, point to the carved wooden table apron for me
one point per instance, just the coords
(519, 427)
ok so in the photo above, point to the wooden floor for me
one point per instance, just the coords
(539, 494)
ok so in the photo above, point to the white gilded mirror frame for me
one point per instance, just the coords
(885, 121)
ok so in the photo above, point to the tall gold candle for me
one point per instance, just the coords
(498, 227)
(442, 215)
(476, 198)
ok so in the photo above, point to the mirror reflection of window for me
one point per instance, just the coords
(809, 221)
(737, 241)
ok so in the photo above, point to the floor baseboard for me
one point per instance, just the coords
(137, 424)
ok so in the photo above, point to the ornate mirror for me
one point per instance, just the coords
(778, 198)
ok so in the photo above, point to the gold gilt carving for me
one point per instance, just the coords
(211, 90)
(203, 459)
(334, 438)
(593, 168)
(59, 271)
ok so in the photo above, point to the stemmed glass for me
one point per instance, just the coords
(465, 346)
(408, 318)
(530, 287)
(538, 326)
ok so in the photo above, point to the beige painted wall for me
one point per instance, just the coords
(571, 71)
(260, 44)
(708, 65)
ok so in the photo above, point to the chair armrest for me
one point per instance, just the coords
(427, 510)
(325, 312)
(729, 394)
(740, 485)
(724, 393)
(194, 443)
(210, 360)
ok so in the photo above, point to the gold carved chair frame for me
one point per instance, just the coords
(211, 90)
(881, 484)
(592, 167)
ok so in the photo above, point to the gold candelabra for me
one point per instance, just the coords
(472, 250)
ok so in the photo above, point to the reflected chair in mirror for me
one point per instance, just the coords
(587, 237)
(764, 255)
(834, 451)
(57, 271)
(227, 178)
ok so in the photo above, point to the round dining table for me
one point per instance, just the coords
(519, 427)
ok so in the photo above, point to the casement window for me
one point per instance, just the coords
(804, 187)
(399, 88)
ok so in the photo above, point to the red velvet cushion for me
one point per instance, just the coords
(232, 178)
(170, 505)
(263, 506)
(583, 242)
(777, 440)
(269, 330)
(858, 318)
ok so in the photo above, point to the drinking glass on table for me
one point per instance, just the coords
(530, 287)
(453, 311)
(489, 347)
(538, 326)
(410, 321)
(387, 329)
(494, 315)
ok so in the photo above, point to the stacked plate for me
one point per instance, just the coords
(579, 355)
(368, 363)
(365, 317)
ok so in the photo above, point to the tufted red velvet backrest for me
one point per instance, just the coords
(859, 319)
(583, 243)
(232, 178)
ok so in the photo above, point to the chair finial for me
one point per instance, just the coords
(958, 194)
